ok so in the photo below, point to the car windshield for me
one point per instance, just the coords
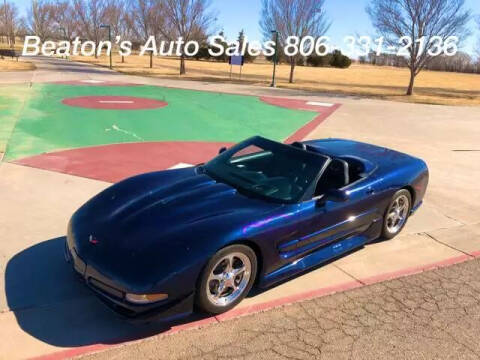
(267, 169)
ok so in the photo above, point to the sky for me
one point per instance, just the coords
(348, 18)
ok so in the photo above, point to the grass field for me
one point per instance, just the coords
(364, 80)
(8, 64)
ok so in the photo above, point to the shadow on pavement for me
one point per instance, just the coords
(87, 70)
(68, 66)
(52, 304)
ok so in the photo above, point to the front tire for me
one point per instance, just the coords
(226, 279)
(397, 214)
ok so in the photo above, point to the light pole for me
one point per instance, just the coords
(109, 39)
(6, 21)
(64, 37)
(275, 58)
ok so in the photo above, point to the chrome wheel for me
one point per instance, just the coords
(397, 214)
(228, 279)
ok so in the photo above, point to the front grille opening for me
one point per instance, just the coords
(105, 288)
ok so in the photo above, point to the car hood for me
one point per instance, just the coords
(159, 212)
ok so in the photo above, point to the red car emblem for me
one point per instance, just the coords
(92, 240)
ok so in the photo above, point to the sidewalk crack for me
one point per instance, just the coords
(348, 274)
(447, 245)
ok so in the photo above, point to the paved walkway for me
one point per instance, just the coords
(433, 315)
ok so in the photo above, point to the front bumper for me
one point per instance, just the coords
(114, 296)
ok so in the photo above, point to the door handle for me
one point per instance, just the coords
(370, 191)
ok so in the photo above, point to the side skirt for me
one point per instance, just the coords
(314, 259)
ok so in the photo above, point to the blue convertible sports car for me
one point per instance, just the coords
(260, 212)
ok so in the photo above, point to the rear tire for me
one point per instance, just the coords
(397, 214)
(226, 279)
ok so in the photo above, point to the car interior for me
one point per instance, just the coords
(270, 175)
(336, 176)
(339, 173)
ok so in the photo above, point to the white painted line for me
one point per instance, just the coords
(115, 101)
(93, 81)
(316, 103)
(180, 166)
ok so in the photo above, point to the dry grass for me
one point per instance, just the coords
(8, 64)
(18, 47)
(363, 80)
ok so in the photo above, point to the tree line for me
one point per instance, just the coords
(460, 62)
(137, 20)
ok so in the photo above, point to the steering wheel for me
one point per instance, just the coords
(276, 185)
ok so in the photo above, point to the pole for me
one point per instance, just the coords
(110, 40)
(65, 38)
(6, 21)
(275, 59)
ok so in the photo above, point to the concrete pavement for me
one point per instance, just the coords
(433, 315)
(44, 310)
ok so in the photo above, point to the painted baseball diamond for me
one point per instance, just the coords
(259, 213)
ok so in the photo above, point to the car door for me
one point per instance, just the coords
(328, 220)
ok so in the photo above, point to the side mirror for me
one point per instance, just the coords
(333, 195)
(222, 150)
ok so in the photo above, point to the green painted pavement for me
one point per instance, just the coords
(45, 124)
(12, 98)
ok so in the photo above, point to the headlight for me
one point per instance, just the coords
(145, 298)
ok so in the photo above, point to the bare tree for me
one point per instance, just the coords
(13, 24)
(419, 19)
(293, 18)
(478, 42)
(460, 62)
(39, 19)
(145, 19)
(190, 19)
(4, 21)
(142, 18)
(63, 16)
(10, 23)
(386, 59)
(115, 16)
(90, 14)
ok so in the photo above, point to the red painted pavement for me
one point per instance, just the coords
(115, 162)
(114, 102)
(323, 113)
